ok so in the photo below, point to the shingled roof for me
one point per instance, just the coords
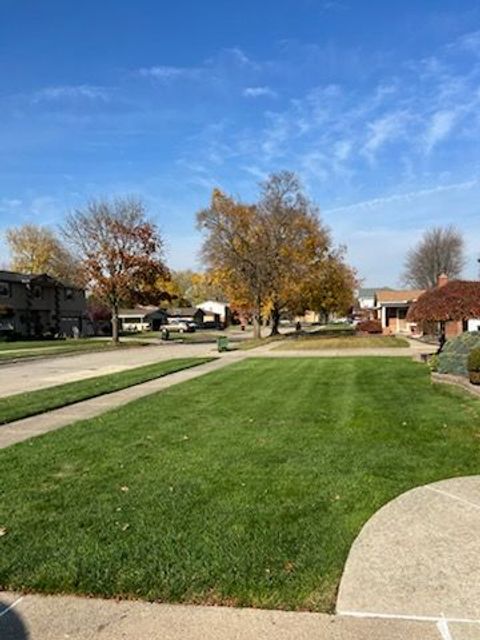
(455, 300)
(389, 296)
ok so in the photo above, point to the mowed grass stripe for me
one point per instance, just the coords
(31, 403)
(308, 343)
(246, 486)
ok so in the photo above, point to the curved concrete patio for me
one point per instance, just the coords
(418, 557)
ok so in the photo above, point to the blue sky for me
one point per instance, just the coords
(375, 105)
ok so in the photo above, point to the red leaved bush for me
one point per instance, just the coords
(370, 326)
(456, 300)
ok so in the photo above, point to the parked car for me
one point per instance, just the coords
(182, 326)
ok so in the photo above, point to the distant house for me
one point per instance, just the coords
(393, 308)
(366, 299)
(187, 314)
(216, 313)
(366, 306)
(38, 305)
(454, 305)
(142, 319)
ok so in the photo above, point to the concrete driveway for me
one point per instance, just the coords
(46, 372)
(418, 558)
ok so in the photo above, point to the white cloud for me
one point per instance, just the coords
(468, 42)
(440, 126)
(71, 92)
(165, 72)
(8, 204)
(342, 150)
(241, 57)
(258, 92)
(217, 67)
(384, 130)
(408, 196)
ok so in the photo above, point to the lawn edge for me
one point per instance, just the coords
(201, 360)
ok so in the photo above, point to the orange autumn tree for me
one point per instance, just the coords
(274, 256)
(298, 244)
(37, 249)
(330, 288)
(121, 253)
(190, 288)
(235, 252)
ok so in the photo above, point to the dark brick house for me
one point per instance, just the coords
(38, 305)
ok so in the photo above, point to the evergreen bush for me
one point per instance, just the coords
(474, 360)
(454, 355)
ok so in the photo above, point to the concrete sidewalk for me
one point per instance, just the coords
(419, 557)
(20, 430)
(60, 617)
(48, 372)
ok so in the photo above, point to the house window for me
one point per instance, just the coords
(4, 289)
(69, 294)
(37, 292)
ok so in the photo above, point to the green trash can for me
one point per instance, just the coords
(222, 344)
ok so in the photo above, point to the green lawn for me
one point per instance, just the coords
(42, 348)
(345, 342)
(22, 405)
(49, 344)
(246, 486)
(253, 343)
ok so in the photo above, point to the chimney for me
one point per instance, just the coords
(442, 280)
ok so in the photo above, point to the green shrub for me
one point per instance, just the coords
(454, 355)
(433, 362)
(473, 363)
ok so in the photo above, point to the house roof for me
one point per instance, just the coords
(366, 292)
(136, 312)
(220, 302)
(210, 305)
(455, 300)
(183, 311)
(386, 296)
(25, 278)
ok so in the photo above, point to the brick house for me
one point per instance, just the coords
(38, 305)
(392, 308)
(453, 305)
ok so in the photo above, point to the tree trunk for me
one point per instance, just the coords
(257, 326)
(275, 321)
(115, 336)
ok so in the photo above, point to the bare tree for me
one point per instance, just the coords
(441, 250)
(120, 251)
